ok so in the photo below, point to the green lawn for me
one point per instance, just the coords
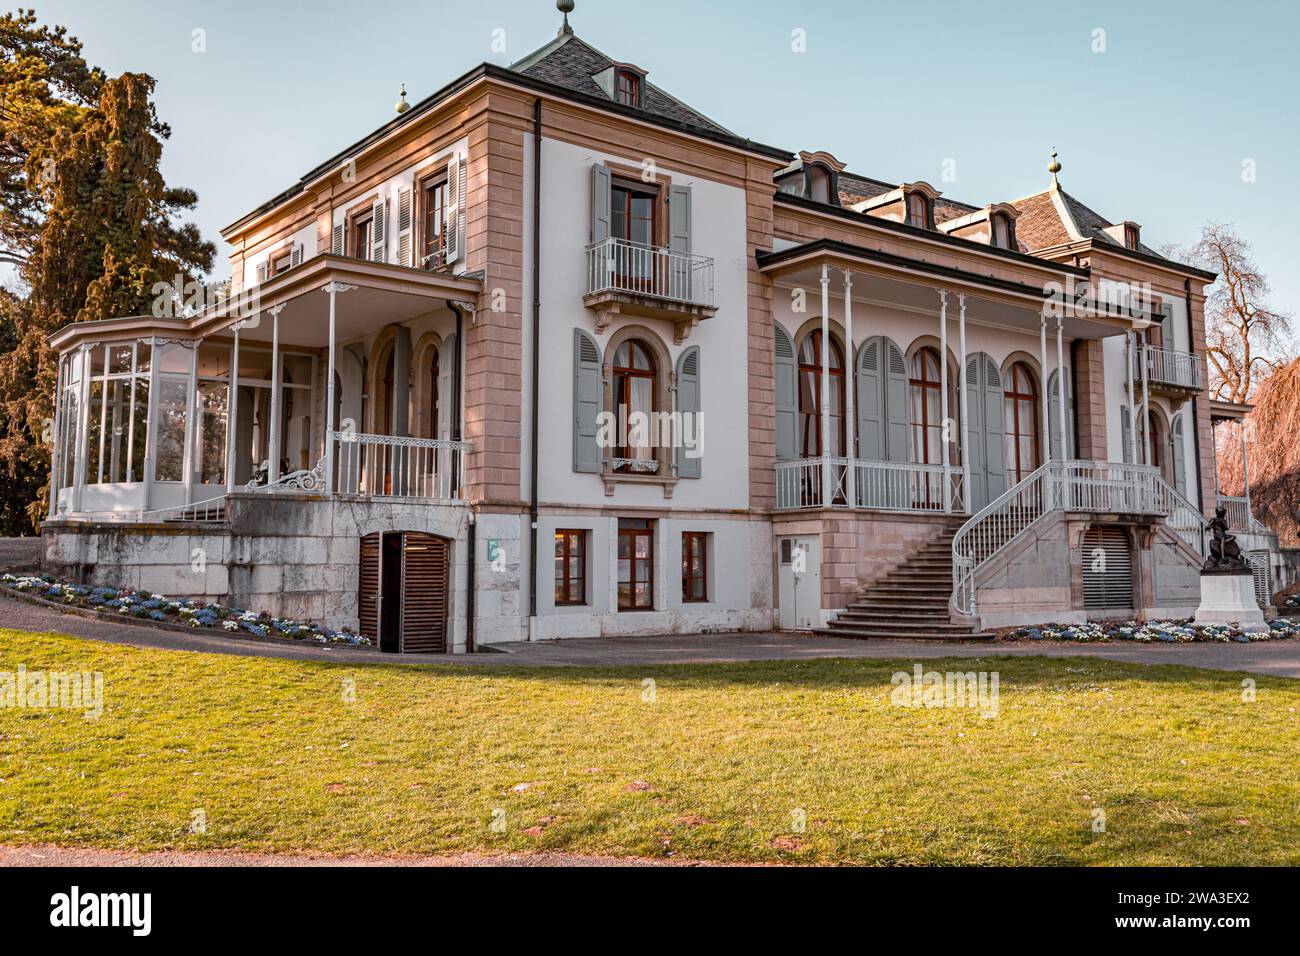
(715, 767)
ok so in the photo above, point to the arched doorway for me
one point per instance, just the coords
(402, 600)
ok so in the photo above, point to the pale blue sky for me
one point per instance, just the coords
(1154, 129)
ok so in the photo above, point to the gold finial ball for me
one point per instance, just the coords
(1054, 167)
(402, 106)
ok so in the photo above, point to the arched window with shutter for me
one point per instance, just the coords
(690, 463)
(784, 381)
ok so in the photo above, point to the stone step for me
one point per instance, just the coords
(928, 617)
(942, 638)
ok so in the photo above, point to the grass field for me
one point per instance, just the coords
(717, 765)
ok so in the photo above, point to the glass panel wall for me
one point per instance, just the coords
(117, 414)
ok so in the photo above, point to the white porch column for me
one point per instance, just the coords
(56, 448)
(151, 427)
(850, 386)
(962, 402)
(1146, 399)
(944, 421)
(81, 428)
(273, 445)
(1130, 361)
(825, 388)
(1062, 406)
(1042, 364)
(190, 426)
(1245, 474)
(232, 411)
(334, 288)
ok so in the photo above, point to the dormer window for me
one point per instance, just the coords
(1130, 237)
(918, 210)
(628, 88)
(819, 183)
(1004, 236)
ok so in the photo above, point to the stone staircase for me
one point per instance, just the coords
(910, 603)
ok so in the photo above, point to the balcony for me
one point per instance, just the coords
(626, 278)
(1170, 371)
(868, 485)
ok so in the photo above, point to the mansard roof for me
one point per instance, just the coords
(573, 63)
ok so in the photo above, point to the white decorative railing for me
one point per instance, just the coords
(616, 265)
(875, 485)
(1172, 367)
(387, 466)
(1082, 486)
(1239, 516)
(212, 509)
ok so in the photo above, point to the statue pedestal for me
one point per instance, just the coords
(1228, 597)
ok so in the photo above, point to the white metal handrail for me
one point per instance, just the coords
(390, 466)
(616, 265)
(1172, 367)
(1085, 486)
(211, 509)
(875, 486)
(1239, 515)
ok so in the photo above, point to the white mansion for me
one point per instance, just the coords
(889, 412)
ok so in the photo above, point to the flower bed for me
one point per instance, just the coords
(1168, 632)
(155, 607)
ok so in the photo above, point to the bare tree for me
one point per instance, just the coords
(1243, 336)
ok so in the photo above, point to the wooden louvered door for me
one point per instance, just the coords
(371, 587)
(1107, 572)
(425, 579)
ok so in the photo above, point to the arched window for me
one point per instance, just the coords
(918, 210)
(819, 183)
(1003, 235)
(926, 407)
(633, 384)
(385, 424)
(1020, 401)
(810, 381)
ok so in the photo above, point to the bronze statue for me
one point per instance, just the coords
(1225, 553)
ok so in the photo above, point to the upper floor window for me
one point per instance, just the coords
(362, 235)
(632, 211)
(280, 262)
(1003, 232)
(433, 206)
(628, 88)
(819, 183)
(1131, 237)
(918, 211)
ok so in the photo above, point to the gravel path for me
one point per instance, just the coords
(1278, 658)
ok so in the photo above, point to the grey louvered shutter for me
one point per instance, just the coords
(979, 489)
(679, 242)
(1054, 419)
(448, 356)
(452, 238)
(295, 257)
(897, 444)
(404, 227)
(1179, 452)
(261, 273)
(784, 369)
(379, 225)
(1126, 434)
(600, 214)
(336, 243)
(586, 403)
(995, 468)
(870, 399)
(688, 403)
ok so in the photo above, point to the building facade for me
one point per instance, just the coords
(552, 354)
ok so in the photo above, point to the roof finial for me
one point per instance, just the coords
(1054, 167)
(565, 7)
(402, 106)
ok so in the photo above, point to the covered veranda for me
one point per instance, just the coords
(148, 427)
(949, 448)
